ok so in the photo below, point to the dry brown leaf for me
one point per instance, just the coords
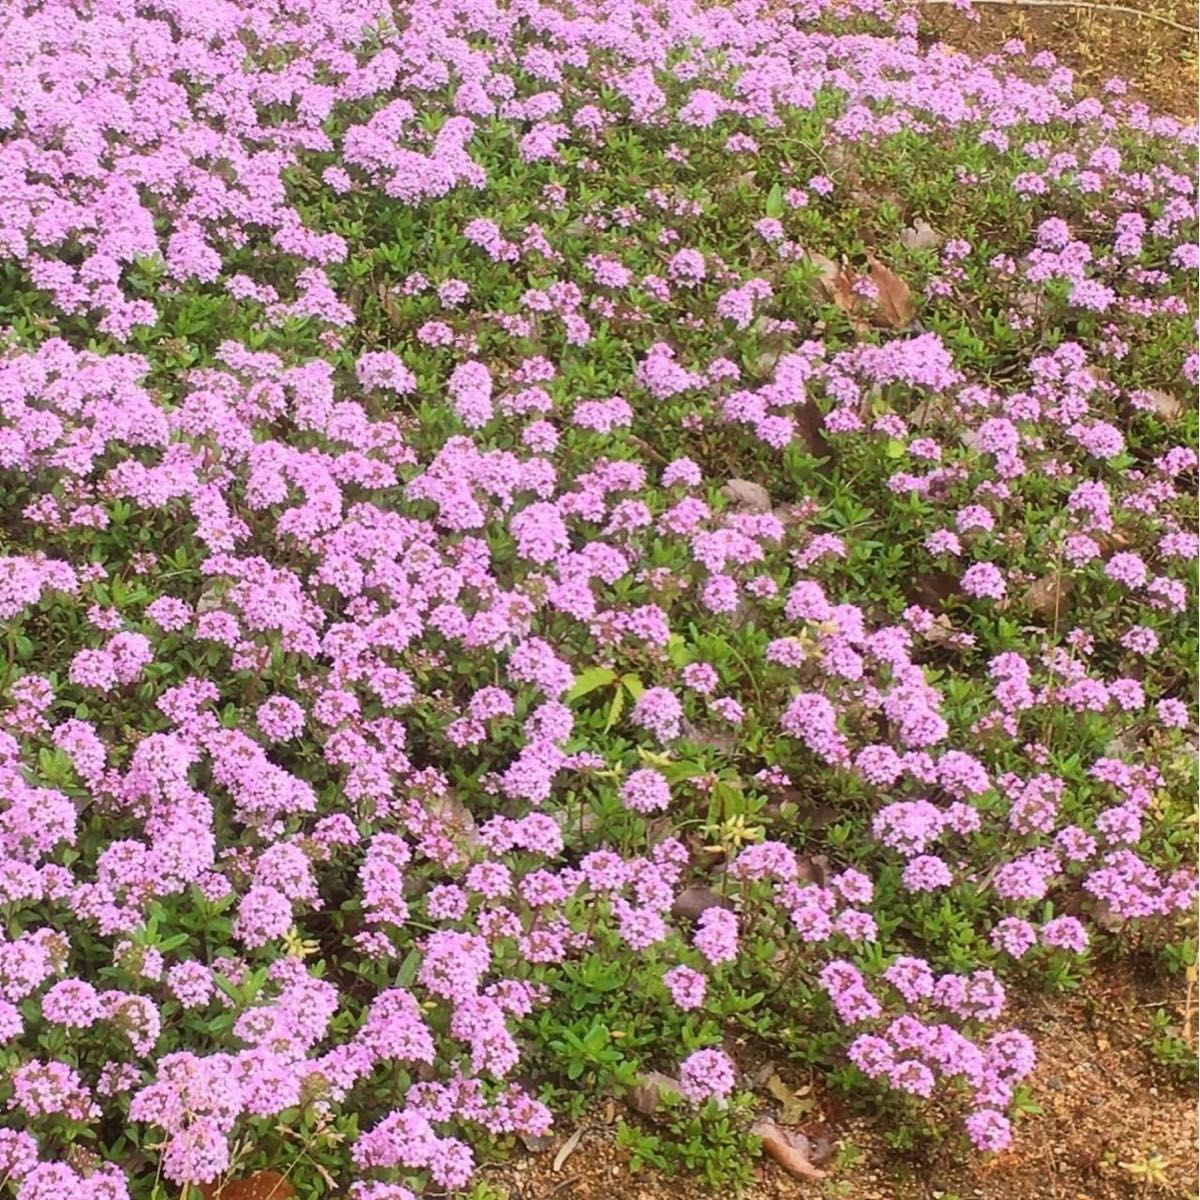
(262, 1185)
(566, 1150)
(827, 268)
(794, 1105)
(931, 589)
(651, 1091)
(693, 901)
(838, 284)
(457, 819)
(841, 290)
(712, 736)
(1047, 597)
(748, 496)
(1167, 408)
(895, 307)
(790, 1149)
(920, 235)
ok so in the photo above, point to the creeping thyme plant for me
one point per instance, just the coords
(547, 540)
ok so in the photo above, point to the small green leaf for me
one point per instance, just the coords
(590, 680)
(408, 969)
(775, 200)
(615, 709)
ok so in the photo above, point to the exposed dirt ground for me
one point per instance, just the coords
(1108, 1110)
(1156, 61)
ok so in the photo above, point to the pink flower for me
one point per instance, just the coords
(707, 1074)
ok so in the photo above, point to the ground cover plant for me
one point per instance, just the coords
(540, 538)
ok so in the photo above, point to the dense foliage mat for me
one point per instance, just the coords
(541, 540)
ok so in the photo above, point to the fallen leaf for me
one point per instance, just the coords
(794, 1105)
(713, 737)
(262, 1185)
(1047, 597)
(826, 267)
(895, 306)
(538, 1144)
(811, 427)
(791, 1150)
(941, 632)
(931, 589)
(1166, 407)
(1027, 302)
(841, 290)
(920, 235)
(820, 1142)
(457, 819)
(747, 495)
(566, 1150)
(693, 901)
(649, 1094)
(759, 1076)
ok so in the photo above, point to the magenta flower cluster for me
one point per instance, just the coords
(309, 796)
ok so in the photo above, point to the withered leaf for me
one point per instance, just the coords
(794, 1106)
(1047, 597)
(789, 1148)
(651, 1092)
(566, 1150)
(262, 1185)
(747, 496)
(920, 235)
(1167, 407)
(457, 819)
(712, 736)
(931, 588)
(895, 307)
(693, 901)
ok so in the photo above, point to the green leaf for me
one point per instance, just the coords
(408, 969)
(775, 201)
(633, 685)
(615, 709)
(590, 680)
(677, 650)
(683, 770)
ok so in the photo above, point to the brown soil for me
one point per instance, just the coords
(1106, 1109)
(1157, 62)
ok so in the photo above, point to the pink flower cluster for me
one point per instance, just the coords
(304, 805)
